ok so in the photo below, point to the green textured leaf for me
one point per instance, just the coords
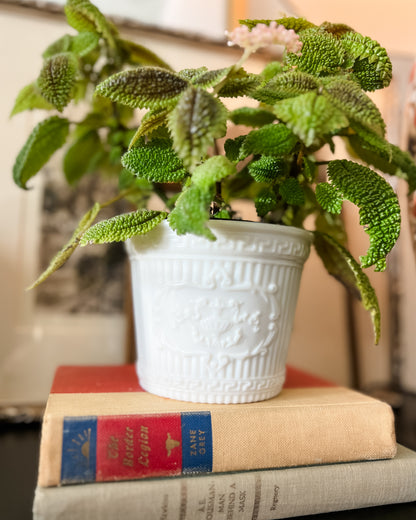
(371, 64)
(322, 53)
(196, 121)
(386, 157)
(289, 22)
(62, 256)
(286, 85)
(357, 106)
(273, 140)
(232, 148)
(239, 83)
(191, 211)
(30, 98)
(139, 55)
(379, 207)
(84, 43)
(291, 192)
(268, 169)
(57, 78)
(210, 78)
(265, 201)
(340, 264)
(144, 87)
(311, 117)
(82, 156)
(150, 122)
(83, 16)
(47, 137)
(329, 198)
(122, 227)
(270, 70)
(155, 161)
(250, 116)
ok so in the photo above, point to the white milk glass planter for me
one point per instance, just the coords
(213, 319)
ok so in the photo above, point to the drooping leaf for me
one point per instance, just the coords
(250, 116)
(379, 207)
(191, 211)
(291, 192)
(265, 201)
(122, 227)
(57, 78)
(321, 54)
(62, 256)
(349, 97)
(195, 122)
(30, 98)
(155, 161)
(47, 137)
(150, 122)
(83, 16)
(273, 140)
(82, 156)
(139, 55)
(268, 169)
(144, 87)
(341, 264)
(371, 64)
(386, 157)
(286, 85)
(329, 198)
(311, 117)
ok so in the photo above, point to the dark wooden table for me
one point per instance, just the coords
(19, 451)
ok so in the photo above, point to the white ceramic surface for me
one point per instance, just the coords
(213, 319)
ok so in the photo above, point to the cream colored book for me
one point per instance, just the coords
(99, 426)
(259, 495)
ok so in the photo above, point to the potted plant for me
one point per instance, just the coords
(211, 345)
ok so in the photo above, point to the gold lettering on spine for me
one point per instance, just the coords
(128, 447)
(144, 446)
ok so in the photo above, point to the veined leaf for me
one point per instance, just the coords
(268, 169)
(250, 116)
(84, 42)
(196, 121)
(191, 211)
(291, 192)
(239, 83)
(289, 22)
(340, 264)
(371, 64)
(30, 98)
(82, 15)
(47, 137)
(57, 78)
(232, 148)
(265, 201)
(139, 55)
(329, 198)
(286, 85)
(379, 207)
(384, 156)
(348, 96)
(150, 122)
(311, 117)
(62, 256)
(322, 53)
(122, 227)
(82, 156)
(144, 87)
(210, 77)
(273, 140)
(155, 161)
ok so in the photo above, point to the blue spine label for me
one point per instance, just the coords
(196, 442)
(79, 444)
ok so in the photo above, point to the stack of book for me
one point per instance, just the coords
(111, 450)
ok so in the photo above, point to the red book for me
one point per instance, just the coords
(100, 425)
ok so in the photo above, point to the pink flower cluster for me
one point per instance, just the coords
(262, 35)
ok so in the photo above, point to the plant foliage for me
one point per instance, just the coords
(309, 101)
